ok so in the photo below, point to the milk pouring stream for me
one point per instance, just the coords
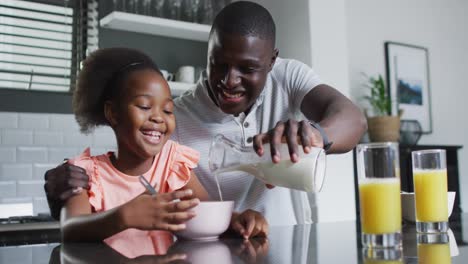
(306, 175)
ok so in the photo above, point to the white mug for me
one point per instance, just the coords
(185, 74)
(167, 75)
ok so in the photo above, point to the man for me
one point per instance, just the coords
(253, 97)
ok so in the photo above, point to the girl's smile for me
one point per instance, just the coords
(153, 136)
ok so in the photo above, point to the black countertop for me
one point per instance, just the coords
(316, 243)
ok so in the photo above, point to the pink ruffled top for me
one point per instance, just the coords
(110, 188)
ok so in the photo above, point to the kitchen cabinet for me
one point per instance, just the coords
(155, 26)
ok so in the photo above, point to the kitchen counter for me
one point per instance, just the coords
(316, 243)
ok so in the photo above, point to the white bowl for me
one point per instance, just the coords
(408, 210)
(212, 220)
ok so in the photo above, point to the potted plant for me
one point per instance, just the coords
(382, 126)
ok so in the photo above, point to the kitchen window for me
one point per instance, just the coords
(42, 44)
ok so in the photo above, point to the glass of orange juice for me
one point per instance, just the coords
(379, 194)
(430, 190)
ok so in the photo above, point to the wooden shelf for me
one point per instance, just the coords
(178, 88)
(156, 26)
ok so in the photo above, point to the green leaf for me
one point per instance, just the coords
(378, 98)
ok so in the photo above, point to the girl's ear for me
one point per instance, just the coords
(110, 113)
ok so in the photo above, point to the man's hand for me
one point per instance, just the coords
(249, 223)
(293, 133)
(63, 182)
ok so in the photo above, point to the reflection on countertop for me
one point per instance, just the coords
(321, 243)
(217, 251)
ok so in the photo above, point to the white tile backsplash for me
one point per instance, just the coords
(39, 169)
(17, 137)
(103, 140)
(33, 121)
(47, 138)
(104, 137)
(7, 189)
(75, 139)
(56, 155)
(15, 171)
(8, 120)
(7, 154)
(31, 154)
(63, 122)
(34, 188)
(31, 144)
(16, 200)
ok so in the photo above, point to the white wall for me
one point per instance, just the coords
(336, 201)
(440, 26)
(314, 32)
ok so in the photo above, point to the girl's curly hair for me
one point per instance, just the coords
(101, 78)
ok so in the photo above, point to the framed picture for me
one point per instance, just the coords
(408, 82)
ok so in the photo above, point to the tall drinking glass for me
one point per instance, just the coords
(379, 194)
(430, 190)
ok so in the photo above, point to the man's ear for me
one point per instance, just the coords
(110, 113)
(273, 58)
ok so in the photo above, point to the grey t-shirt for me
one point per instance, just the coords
(199, 120)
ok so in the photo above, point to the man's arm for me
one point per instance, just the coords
(61, 183)
(341, 119)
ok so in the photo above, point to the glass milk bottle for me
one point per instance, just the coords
(305, 175)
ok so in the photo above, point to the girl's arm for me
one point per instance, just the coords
(79, 224)
(145, 212)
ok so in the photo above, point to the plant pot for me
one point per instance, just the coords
(384, 128)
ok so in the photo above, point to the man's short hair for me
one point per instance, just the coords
(247, 19)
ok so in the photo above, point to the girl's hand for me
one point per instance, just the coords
(249, 223)
(160, 212)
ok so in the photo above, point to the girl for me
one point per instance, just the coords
(124, 89)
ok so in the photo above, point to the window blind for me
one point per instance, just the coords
(43, 43)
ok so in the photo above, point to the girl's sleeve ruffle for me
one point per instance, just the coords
(185, 160)
(95, 192)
